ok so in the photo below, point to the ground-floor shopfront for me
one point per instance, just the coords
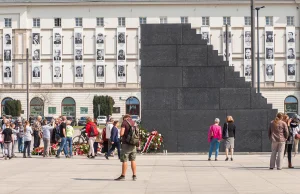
(73, 103)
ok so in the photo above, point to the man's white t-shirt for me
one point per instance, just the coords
(109, 127)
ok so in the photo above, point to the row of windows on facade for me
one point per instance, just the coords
(143, 20)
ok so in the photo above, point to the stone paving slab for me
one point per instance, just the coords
(165, 174)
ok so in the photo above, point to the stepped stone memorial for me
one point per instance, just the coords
(185, 85)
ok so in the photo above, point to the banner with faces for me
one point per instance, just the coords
(57, 55)
(247, 54)
(78, 55)
(100, 56)
(36, 56)
(121, 55)
(269, 49)
(229, 45)
(205, 32)
(291, 53)
(7, 55)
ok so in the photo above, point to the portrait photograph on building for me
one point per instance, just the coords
(270, 72)
(100, 54)
(121, 37)
(100, 38)
(121, 73)
(269, 36)
(36, 38)
(7, 39)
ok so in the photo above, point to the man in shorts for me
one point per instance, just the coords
(128, 152)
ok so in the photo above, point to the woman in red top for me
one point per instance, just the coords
(92, 132)
(214, 138)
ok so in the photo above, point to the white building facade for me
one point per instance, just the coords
(79, 49)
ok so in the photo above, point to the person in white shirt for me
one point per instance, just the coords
(15, 139)
(109, 127)
(27, 139)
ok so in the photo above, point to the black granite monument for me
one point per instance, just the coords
(186, 85)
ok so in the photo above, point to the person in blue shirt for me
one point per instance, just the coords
(115, 141)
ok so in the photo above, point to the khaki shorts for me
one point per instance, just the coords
(128, 152)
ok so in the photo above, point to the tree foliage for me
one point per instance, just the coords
(13, 108)
(106, 105)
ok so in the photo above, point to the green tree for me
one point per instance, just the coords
(106, 105)
(13, 108)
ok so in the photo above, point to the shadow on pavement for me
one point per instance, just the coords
(80, 179)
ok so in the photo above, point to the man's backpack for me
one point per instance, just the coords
(94, 131)
(133, 136)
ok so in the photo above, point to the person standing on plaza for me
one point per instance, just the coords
(114, 140)
(278, 134)
(27, 139)
(37, 129)
(69, 143)
(229, 136)
(8, 140)
(15, 139)
(63, 138)
(46, 137)
(292, 125)
(214, 138)
(20, 136)
(109, 127)
(92, 132)
(97, 141)
(128, 151)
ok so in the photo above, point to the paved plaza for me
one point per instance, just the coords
(170, 174)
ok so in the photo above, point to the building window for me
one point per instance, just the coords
(122, 21)
(290, 20)
(7, 22)
(269, 20)
(247, 21)
(68, 107)
(37, 107)
(133, 106)
(57, 22)
(3, 104)
(51, 110)
(78, 22)
(291, 106)
(226, 20)
(100, 22)
(184, 20)
(205, 21)
(36, 22)
(84, 110)
(143, 20)
(163, 20)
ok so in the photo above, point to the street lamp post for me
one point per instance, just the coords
(258, 65)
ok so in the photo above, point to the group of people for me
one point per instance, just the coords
(284, 134)
(60, 130)
(216, 134)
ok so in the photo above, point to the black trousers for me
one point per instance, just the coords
(288, 149)
(37, 139)
(27, 145)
